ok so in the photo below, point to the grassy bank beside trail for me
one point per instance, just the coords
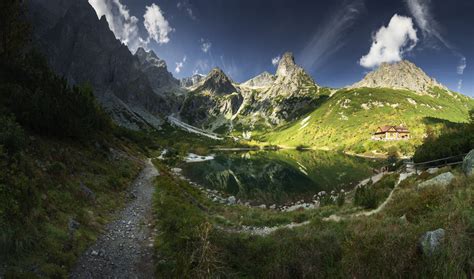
(196, 241)
(56, 196)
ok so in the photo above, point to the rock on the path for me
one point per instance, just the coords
(443, 179)
(468, 164)
(231, 200)
(430, 241)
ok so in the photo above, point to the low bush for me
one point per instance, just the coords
(12, 136)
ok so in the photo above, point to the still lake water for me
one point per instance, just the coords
(279, 177)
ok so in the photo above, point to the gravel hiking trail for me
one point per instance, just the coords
(125, 250)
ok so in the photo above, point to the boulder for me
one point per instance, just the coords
(468, 164)
(443, 180)
(431, 241)
(176, 170)
(432, 170)
(87, 193)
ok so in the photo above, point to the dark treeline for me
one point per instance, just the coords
(34, 96)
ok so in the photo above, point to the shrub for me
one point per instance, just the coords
(366, 197)
(12, 136)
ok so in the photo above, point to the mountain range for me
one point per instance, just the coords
(139, 92)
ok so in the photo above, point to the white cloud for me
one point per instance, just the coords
(179, 65)
(461, 66)
(391, 42)
(421, 11)
(205, 45)
(157, 26)
(121, 23)
(329, 36)
(275, 60)
(186, 6)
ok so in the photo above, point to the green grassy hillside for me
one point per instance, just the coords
(347, 120)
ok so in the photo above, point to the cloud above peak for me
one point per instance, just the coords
(391, 42)
(179, 65)
(126, 27)
(121, 23)
(276, 60)
(157, 26)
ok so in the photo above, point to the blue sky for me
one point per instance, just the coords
(328, 38)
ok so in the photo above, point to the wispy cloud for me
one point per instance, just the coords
(126, 27)
(187, 7)
(201, 66)
(205, 45)
(229, 67)
(421, 11)
(275, 60)
(461, 66)
(391, 42)
(330, 36)
(460, 85)
(179, 65)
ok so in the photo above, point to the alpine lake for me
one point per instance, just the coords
(279, 177)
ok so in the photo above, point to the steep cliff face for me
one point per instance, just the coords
(401, 75)
(161, 80)
(82, 48)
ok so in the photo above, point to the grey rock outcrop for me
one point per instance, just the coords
(213, 102)
(431, 241)
(400, 75)
(468, 164)
(443, 180)
(263, 80)
(192, 80)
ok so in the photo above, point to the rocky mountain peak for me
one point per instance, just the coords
(149, 57)
(290, 77)
(286, 65)
(217, 82)
(264, 79)
(400, 75)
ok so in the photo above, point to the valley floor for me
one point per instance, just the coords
(203, 239)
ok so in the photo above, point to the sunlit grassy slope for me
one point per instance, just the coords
(347, 120)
